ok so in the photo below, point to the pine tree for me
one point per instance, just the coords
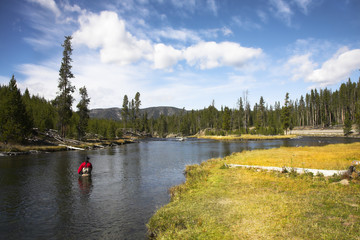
(64, 99)
(137, 110)
(125, 110)
(357, 115)
(285, 113)
(241, 113)
(15, 124)
(83, 112)
(226, 119)
(347, 123)
(260, 115)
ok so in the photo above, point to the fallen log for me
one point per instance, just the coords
(71, 147)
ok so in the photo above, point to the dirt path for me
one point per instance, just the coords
(326, 173)
(318, 132)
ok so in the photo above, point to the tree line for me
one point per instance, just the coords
(20, 113)
(319, 108)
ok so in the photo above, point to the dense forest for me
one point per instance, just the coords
(21, 113)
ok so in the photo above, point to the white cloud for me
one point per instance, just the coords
(208, 55)
(245, 23)
(303, 4)
(165, 56)
(226, 31)
(282, 10)
(336, 69)
(185, 4)
(48, 4)
(183, 35)
(40, 80)
(262, 15)
(107, 32)
(73, 8)
(212, 6)
(300, 66)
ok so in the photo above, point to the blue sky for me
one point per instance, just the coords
(182, 53)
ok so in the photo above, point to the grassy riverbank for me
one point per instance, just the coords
(247, 137)
(235, 203)
(13, 149)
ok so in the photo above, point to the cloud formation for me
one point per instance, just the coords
(282, 10)
(105, 31)
(207, 55)
(337, 68)
(212, 6)
(165, 56)
(300, 66)
(303, 4)
(48, 4)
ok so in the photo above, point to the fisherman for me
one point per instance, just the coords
(85, 167)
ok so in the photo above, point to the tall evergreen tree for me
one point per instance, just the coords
(357, 115)
(226, 119)
(260, 115)
(137, 104)
(83, 112)
(125, 110)
(241, 113)
(347, 123)
(247, 111)
(65, 99)
(285, 113)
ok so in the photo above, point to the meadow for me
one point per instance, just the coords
(217, 202)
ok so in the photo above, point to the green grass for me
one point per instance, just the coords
(236, 203)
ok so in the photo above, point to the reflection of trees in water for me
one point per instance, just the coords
(85, 185)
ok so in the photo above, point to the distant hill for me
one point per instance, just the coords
(115, 113)
(106, 113)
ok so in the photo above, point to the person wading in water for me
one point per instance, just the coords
(85, 167)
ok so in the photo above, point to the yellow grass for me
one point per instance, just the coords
(248, 137)
(334, 156)
(236, 203)
(21, 148)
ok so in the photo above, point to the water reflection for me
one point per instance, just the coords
(85, 185)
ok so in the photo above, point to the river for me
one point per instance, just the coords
(42, 196)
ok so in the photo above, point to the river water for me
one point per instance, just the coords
(42, 196)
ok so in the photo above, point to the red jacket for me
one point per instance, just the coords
(84, 164)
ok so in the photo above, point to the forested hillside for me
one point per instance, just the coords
(115, 113)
